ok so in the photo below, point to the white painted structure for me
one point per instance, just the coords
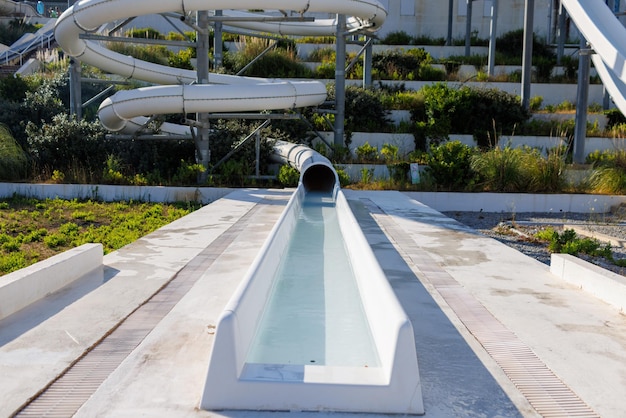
(607, 37)
(30, 284)
(392, 387)
(123, 111)
(605, 285)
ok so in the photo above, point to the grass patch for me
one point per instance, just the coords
(32, 230)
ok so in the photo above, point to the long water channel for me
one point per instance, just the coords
(314, 315)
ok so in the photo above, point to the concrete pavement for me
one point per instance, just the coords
(496, 333)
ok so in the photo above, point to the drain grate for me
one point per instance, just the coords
(64, 396)
(542, 388)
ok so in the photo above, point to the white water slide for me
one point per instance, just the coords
(607, 36)
(9, 7)
(176, 92)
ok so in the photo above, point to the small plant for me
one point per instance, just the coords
(188, 173)
(288, 176)
(535, 103)
(567, 242)
(449, 166)
(390, 153)
(367, 174)
(58, 177)
(344, 178)
(366, 153)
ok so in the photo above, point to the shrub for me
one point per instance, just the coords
(280, 62)
(366, 153)
(14, 29)
(13, 159)
(501, 169)
(65, 140)
(288, 176)
(188, 173)
(400, 65)
(364, 110)
(397, 38)
(449, 166)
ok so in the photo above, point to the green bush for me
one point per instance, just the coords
(397, 38)
(449, 166)
(279, 62)
(13, 159)
(14, 29)
(501, 169)
(366, 153)
(398, 64)
(65, 141)
(364, 110)
(609, 174)
(288, 176)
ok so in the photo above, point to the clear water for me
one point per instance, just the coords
(314, 315)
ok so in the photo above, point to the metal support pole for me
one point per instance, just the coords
(493, 26)
(367, 63)
(527, 57)
(257, 151)
(468, 28)
(560, 47)
(450, 14)
(218, 51)
(203, 154)
(606, 99)
(580, 129)
(340, 81)
(75, 89)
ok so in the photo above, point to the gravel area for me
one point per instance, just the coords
(517, 231)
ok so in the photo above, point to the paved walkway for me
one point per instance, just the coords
(496, 333)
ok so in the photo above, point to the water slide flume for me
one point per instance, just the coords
(607, 36)
(244, 94)
(376, 371)
(315, 324)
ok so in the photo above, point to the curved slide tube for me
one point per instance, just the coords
(607, 36)
(118, 112)
(9, 7)
(316, 171)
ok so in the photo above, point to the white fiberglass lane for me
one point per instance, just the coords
(314, 315)
(607, 36)
(241, 94)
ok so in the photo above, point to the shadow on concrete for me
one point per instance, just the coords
(454, 380)
(36, 313)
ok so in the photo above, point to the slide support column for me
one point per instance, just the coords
(582, 97)
(203, 154)
(340, 81)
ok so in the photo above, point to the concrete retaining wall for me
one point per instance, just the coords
(518, 202)
(109, 193)
(23, 287)
(603, 284)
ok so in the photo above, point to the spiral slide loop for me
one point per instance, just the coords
(123, 111)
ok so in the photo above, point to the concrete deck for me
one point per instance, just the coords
(496, 333)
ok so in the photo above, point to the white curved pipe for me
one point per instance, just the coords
(316, 171)
(245, 93)
(8, 7)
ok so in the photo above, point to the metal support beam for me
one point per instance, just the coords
(367, 63)
(560, 48)
(450, 15)
(582, 98)
(75, 89)
(493, 27)
(340, 81)
(468, 28)
(218, 50)
(253, 134)
(527, 55)
(203, 153)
